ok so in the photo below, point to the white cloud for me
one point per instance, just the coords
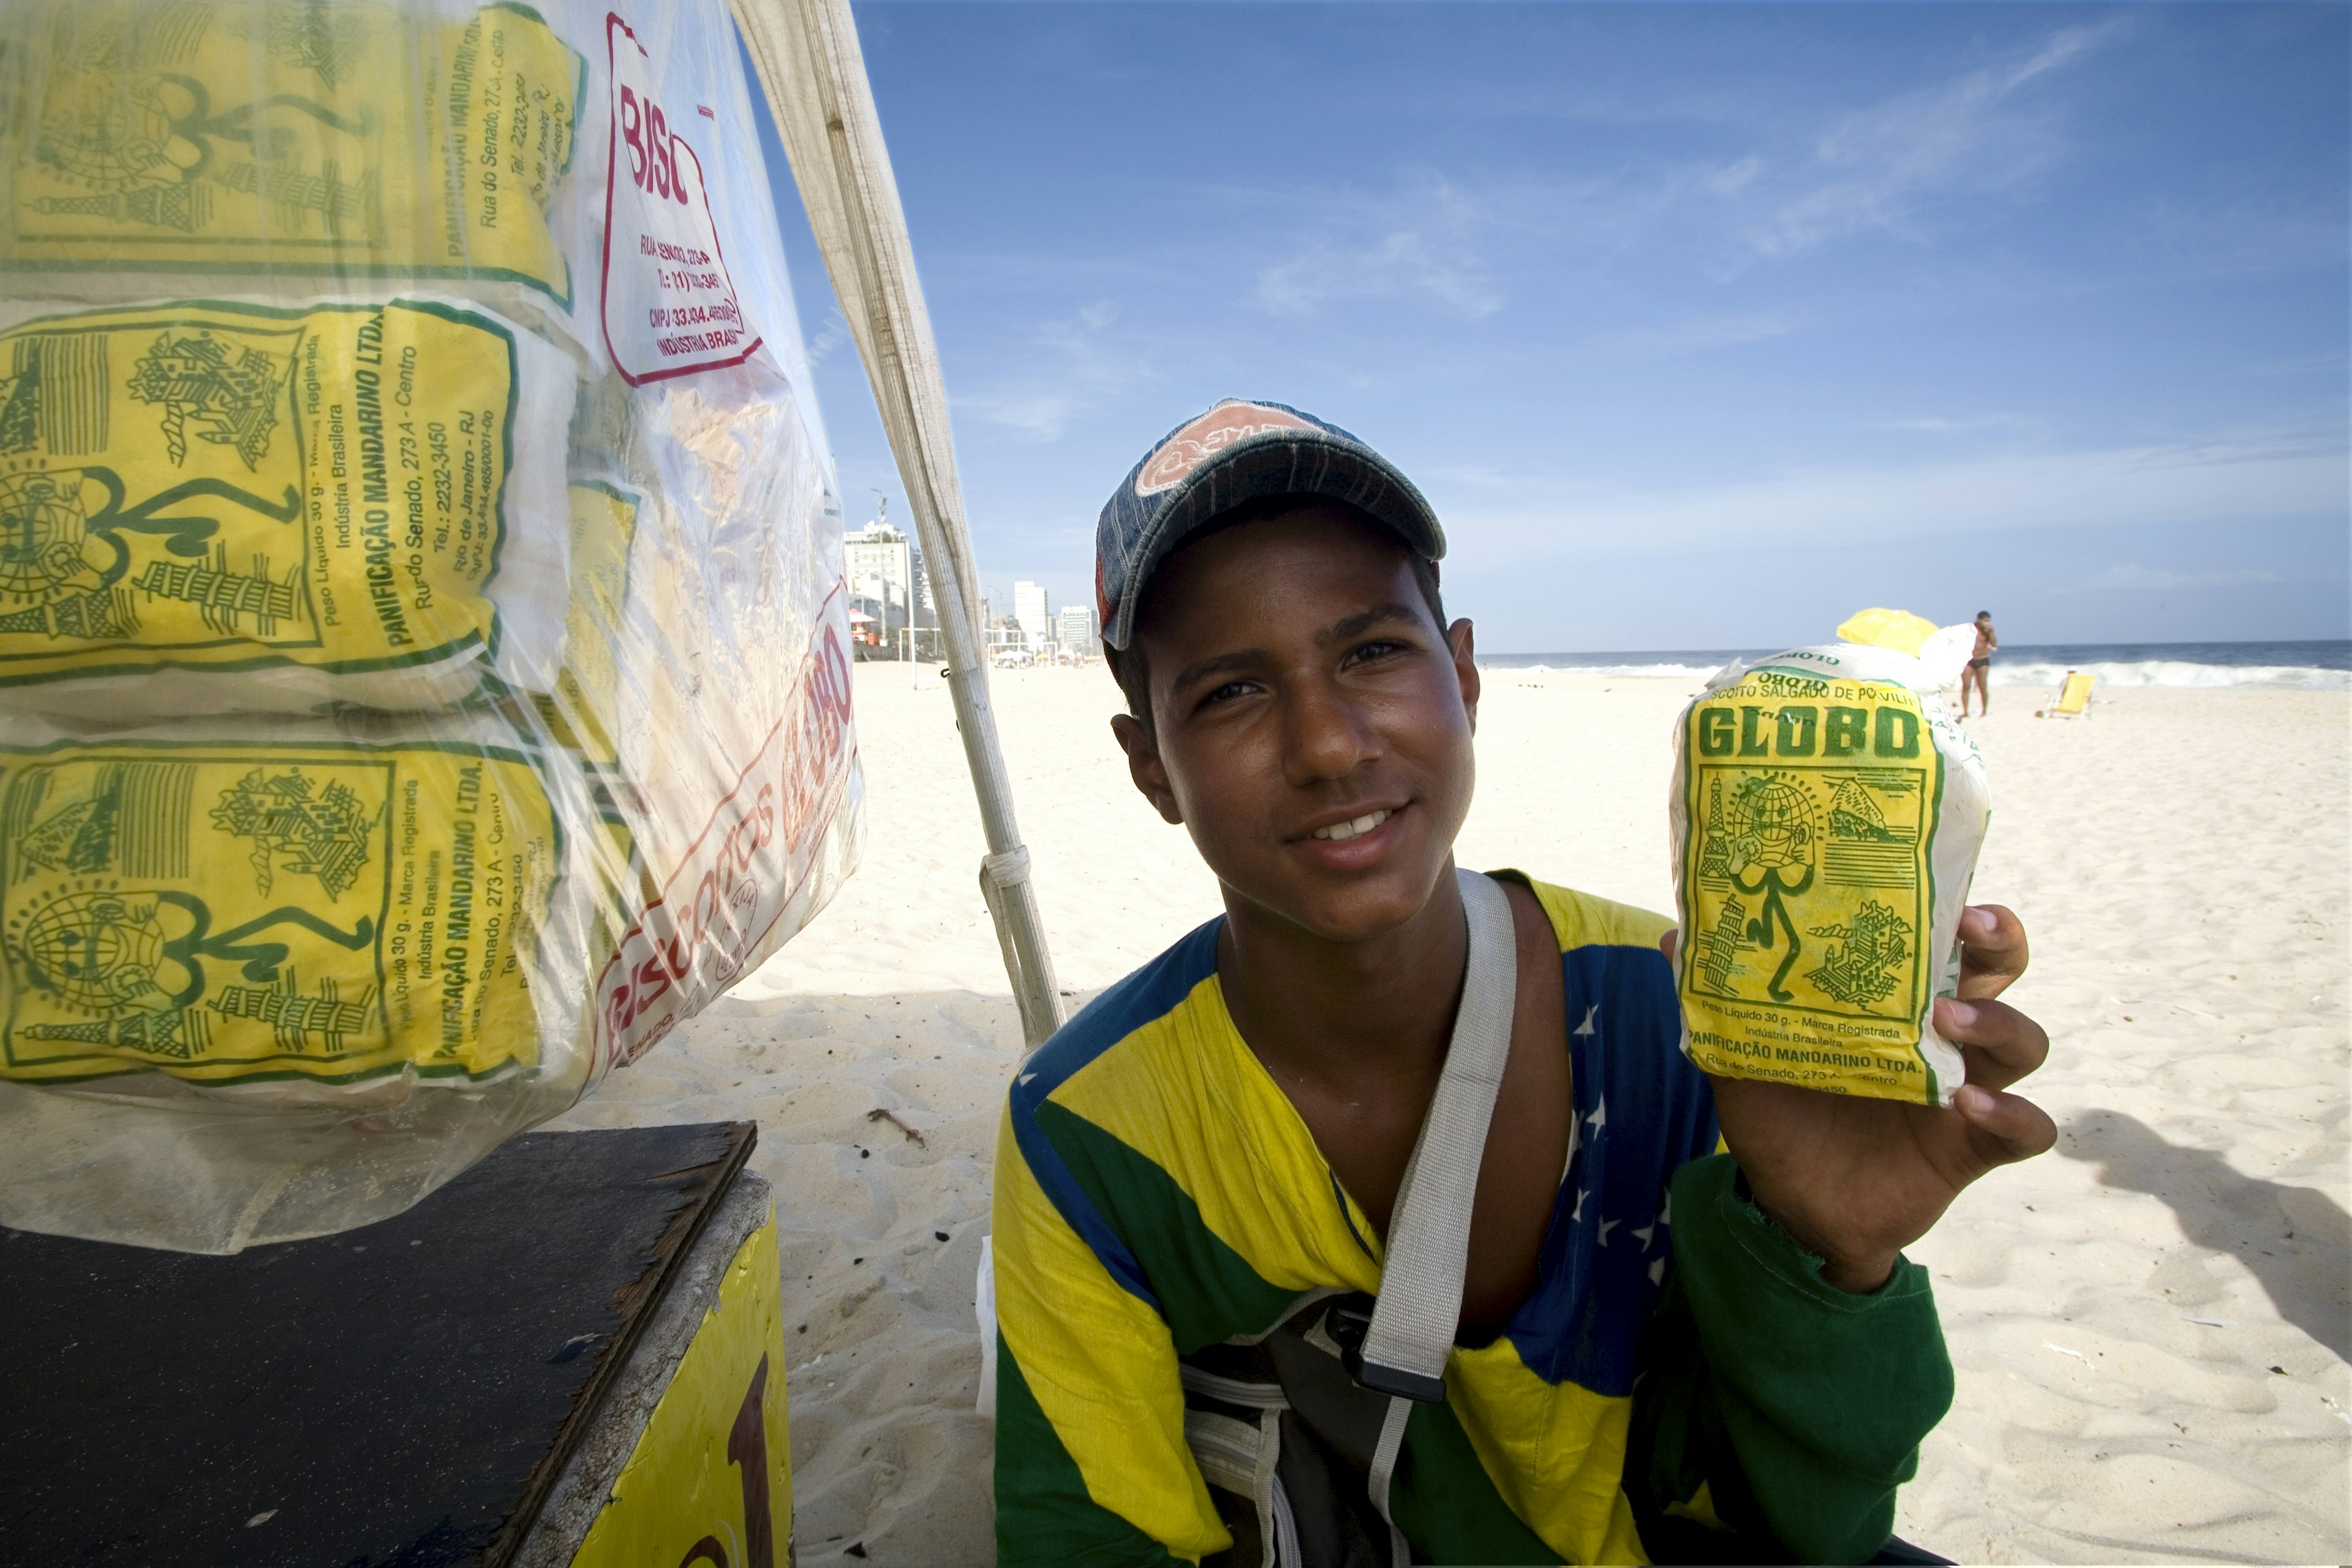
(2305, 364)
(1424, 240)
(1736, 177)
(1065, 366)
(2154, 577)
(1041, 416)
(2241, 479)
(1933, 426)
(830, 338)
(1878, 167)
(1696, 334)
(1452, 242)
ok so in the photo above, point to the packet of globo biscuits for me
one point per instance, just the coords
(1826, 815)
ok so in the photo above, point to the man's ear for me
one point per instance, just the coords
(1458, 638)
(1144, 766)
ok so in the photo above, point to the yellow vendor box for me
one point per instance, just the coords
(571, 1356)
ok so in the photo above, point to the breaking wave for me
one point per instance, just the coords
(2175, 672)
(2262, 666)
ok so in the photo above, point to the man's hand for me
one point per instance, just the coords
(1857, 1180)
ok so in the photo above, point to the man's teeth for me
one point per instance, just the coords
(1340, 831)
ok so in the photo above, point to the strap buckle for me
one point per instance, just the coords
(1347, 1320)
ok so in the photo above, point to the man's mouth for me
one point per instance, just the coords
(1341, 832)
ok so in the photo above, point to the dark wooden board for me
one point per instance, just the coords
(397, 1396)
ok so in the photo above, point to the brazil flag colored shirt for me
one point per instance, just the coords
(1157, 1192)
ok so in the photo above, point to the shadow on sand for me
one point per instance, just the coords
(2297, 1241)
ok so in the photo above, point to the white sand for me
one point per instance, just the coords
(2181, 860)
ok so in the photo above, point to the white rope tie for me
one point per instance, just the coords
(998, 875)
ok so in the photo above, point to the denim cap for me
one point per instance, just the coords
(1237, 452)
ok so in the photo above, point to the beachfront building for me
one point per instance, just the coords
(1031, 609)
(1076, 630)
(885, 572)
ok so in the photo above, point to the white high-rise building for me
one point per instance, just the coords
(879, 566)
(1079, 634)
(884, 570)
(1030, 609)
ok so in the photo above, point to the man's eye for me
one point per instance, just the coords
(1378, 648)
(1226, 694)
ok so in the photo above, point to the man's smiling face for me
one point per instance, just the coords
(1310, 721)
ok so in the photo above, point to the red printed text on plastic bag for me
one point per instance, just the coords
(669, 306)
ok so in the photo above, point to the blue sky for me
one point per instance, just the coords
(1701, 325)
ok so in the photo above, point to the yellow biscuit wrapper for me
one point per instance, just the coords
(297, 138)
(323, 497)
(240, 912)
(1826, 816)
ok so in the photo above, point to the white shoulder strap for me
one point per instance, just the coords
(1420, 1301)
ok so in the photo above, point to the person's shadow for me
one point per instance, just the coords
(2297, 1241)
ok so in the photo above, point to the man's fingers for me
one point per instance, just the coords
(1666, 942)
(1992, 950)
(2004, 1128)
(2000, 1044)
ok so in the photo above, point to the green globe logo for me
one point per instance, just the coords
(43, 548)
(96, 952)
(1771, 824)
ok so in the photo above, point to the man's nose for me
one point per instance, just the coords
(1327, 736)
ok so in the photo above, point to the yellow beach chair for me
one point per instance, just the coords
(2074, 698)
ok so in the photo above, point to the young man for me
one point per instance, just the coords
(1664, 1349)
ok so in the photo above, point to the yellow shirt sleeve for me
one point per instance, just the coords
(1091, 1463)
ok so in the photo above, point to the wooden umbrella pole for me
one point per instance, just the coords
(813, 73)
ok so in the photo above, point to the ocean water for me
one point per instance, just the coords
(2276, 666)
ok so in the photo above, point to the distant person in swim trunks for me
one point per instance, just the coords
(1980, 665)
